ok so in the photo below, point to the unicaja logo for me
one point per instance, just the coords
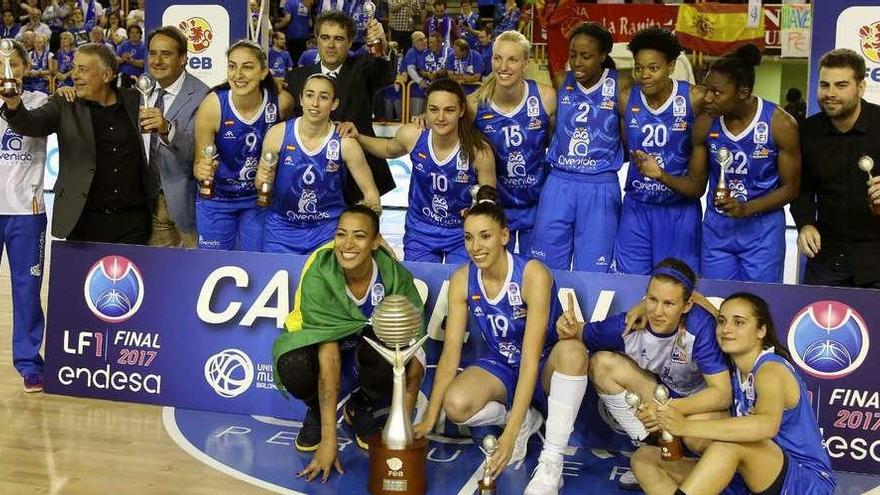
(828, 339)
(114, 289)
(229, 372)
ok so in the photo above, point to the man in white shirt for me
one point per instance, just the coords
(23, 231)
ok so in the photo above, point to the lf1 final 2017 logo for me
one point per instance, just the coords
(111, 358)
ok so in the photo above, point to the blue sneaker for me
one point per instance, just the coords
(33, 383)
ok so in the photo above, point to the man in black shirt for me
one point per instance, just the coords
(837, 230)
(105, 189)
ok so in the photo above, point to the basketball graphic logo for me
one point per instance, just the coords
(198, 34)
(828, 339)
(114, 289)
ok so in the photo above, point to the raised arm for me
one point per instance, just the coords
(38, 122)
(447, 366)
(402, 142)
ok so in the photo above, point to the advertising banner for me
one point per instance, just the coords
(853, 24)
(797, 18)
(194, 329)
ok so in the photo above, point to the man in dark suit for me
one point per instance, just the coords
(105, 189)
(168, 113)
(358, 79)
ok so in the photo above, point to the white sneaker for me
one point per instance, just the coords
(529, 427)
(629, 482)
(547, 479)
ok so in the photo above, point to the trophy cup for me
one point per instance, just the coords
(670, 446)
(206, 187)
(9, 85)
(724, 160)
(486, 486)
(866, 164)
(370, 14)
(397, 460)
(145, 84)
(264, 195)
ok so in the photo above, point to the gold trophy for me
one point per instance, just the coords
(370, 14)
(264, 194)
(866, 164)
(670, 446)
(397, 459)
(145, 84)
(486, 486)
(9, 85)
(206, 187)
(722, 193)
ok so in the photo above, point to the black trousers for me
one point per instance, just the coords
(130, 226)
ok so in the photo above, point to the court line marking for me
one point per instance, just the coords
(174, 432)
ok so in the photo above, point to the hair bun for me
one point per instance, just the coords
(748, 53)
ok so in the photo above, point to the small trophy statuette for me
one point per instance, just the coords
(486, 486)
(9, 85)
(264, 194)
(722, 193)
(370, 14)
(866, 164)
(670, 446)
(206, 187)
(145, 85)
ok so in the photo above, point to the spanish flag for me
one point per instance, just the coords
(717, 29)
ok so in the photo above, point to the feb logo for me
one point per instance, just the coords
(114, 289)
(869, 41)
(198, 33)
(828, 339)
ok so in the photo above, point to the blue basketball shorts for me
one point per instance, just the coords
(649, 233)
(230, 224)
(281, 236)
(747, 249)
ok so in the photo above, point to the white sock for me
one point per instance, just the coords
(625, 415)
(493, 413)
(563, 404)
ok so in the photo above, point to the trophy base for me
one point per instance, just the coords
(875, 209)
(671, 451)
(484, 489)
(263, 201)
(397, 472)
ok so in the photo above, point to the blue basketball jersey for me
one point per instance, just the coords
(519, 140)
(375, 294)
(754, 171)
(308, 183)
(798, 433)
(439, 191)
(502, 319)
(587, 136)
(239, 143)
(664, 133)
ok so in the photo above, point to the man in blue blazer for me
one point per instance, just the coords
(170, 143)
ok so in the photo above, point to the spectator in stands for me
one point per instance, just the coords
(294, 25)
(92, 12)
(412, 65)
(10, 28)
(171, 148)
(105, 187)
(131, 54)
(96, 35)
(35, 23)
(24, 13)
(136, 16)
(77, 29)
(468, 22)
(115, 33)
(795, 104)
(27, 39)
(55, 16)
(509, 20)
(112, 8)
(310, 56)
(279, 59)
(838, 233)
(40, 58)
(484, 47)
(23, 233)
(401, 22)
(434, 61)
(442, 24)
(358, 79)
(64, 60)
(322, 6)
(466, 66)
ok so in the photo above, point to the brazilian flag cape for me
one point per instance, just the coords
(322, 310)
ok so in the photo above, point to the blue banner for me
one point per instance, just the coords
(194, 329)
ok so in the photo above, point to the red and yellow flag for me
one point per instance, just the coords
(716, 28)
